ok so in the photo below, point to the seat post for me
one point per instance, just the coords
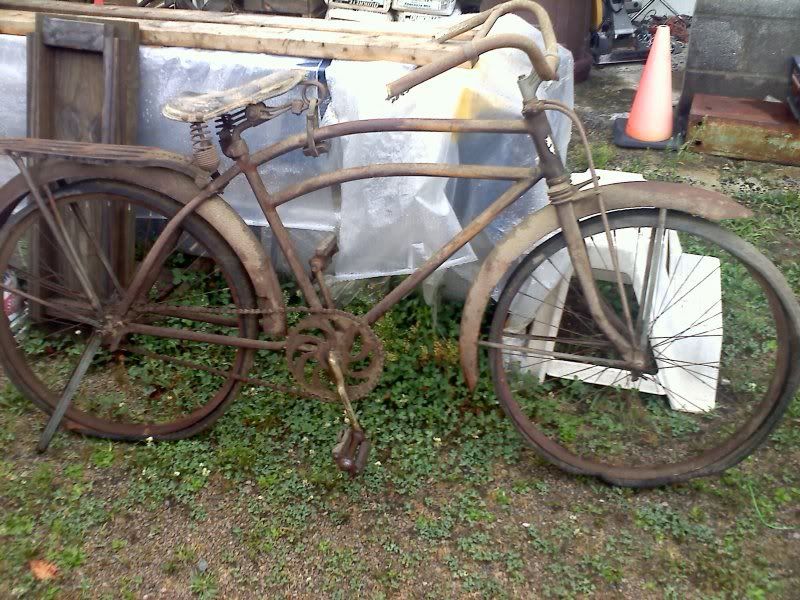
(230, 136)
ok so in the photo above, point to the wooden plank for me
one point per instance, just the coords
(76, 70)
(267, 40)
(68, 33)
(427, 30)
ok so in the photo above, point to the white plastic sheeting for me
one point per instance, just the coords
(401, 221)
(385, 226)
(12, 95)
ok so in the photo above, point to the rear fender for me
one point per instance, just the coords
(544, 223)
(181, 187)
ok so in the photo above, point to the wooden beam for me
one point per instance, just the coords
(267, 40)
(421, 29)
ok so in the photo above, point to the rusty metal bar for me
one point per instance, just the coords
(191, 314)
(654, 256)
(400, 170)
(477, 225)
(583, 272)
(199, 336)
(293, 143)
(300, 140)
(89, 352)
(54, 222)
(323, 288)
(280, 232)
(534, 8)
(545, 66)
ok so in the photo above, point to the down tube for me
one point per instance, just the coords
(457, 242)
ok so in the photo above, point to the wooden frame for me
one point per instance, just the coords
(83, 86)
(287, 36)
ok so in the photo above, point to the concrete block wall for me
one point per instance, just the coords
(741, 48)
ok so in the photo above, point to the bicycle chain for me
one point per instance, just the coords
(227, 310)
(223, 310)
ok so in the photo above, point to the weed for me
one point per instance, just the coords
(603, 155)
(103, 456)
(433, 529)
(204, 586)
(664, 521)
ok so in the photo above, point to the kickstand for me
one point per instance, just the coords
(69, 391)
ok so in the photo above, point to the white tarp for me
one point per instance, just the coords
(385, 226)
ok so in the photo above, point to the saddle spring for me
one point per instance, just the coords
(204, 154)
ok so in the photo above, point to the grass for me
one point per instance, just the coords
(603, 155)
(451, 504)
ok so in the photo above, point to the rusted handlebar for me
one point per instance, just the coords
(489, 17)
(545, 66)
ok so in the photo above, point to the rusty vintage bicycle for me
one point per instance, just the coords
(631, 336)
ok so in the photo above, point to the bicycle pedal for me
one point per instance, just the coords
(351, 451)
(362, 456)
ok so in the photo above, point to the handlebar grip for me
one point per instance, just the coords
(529, 6)
(545, 66)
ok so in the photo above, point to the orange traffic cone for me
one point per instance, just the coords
(650, 122)
(651, 114)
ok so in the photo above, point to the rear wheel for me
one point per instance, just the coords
(722, 340)
(148, 385)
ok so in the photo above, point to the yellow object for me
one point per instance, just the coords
(597, 14)
(473, 104)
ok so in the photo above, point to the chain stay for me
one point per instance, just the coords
(246, 380)
(229, 310)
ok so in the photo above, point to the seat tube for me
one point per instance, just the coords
(279, 232)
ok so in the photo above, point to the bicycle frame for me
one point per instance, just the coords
(522, 180)
(332, 355)
(551, 169)
(534, 123)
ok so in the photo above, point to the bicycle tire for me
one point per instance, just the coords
(743, 441)
(22, 372)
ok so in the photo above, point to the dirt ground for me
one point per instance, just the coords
(451, 506)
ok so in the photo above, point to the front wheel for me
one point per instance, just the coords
(720, 330)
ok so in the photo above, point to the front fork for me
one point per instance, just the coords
(562, 194)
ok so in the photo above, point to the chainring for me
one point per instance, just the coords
(360, 351)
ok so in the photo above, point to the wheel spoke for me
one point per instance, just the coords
(712, 357)
(188, 369)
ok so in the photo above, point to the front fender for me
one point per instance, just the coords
(543, 223)
(180, 187)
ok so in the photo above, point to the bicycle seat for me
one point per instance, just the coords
(194, 107)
